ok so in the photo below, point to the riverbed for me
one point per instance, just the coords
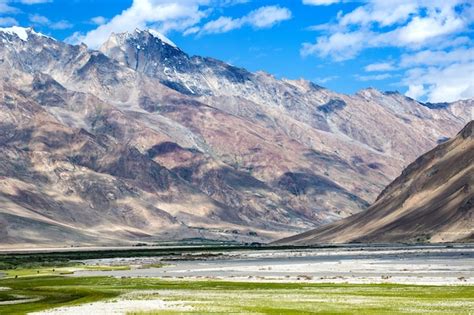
(427, 265)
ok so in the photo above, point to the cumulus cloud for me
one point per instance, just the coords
(263, 17)
(162, 15)
(339, 46)
(60, 25)
(437, 57)
(376, 77)
(400, 23)
(416, 91)
(8, 21)
(439, 75)
(323, 80)
(178, 15)
(267, 16)
(41, 20)
(7, 8)
(98, 20)
(381, 66)
(192, 30)
(441, 84)
(421, 29)
(228, 3)
(383, 13)
(34, 1)
(222, 25)
(320, 2)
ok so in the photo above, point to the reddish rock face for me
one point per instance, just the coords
(128, 145)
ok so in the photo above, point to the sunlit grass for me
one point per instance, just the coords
(211, 297)
(57, 271)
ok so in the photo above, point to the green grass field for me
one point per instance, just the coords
(57, 271)
(218, 297)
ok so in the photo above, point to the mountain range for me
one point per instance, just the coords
(431, 201)
(140, 142)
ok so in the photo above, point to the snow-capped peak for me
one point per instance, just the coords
(22, 32)
(160, 36)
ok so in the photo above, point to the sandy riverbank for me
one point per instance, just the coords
(427, 266)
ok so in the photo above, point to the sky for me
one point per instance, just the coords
(421, 48)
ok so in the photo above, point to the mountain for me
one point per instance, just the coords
(141, 142)
(431, 201)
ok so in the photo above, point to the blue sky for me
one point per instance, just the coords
(423, 48)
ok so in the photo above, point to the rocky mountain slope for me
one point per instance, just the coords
(431, 201)
(141, 142)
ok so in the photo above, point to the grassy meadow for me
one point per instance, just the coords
(219, 297)
(37, 282)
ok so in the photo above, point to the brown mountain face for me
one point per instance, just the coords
(431, 201)
(142, 142)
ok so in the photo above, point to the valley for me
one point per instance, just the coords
(273, 158)
(343, 279)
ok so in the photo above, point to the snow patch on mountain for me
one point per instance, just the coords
(22, 32)
(162, 37)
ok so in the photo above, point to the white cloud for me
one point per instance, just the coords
(30, 2)
(320, 2)
(163, 15)
(377, 77)
(228, 3)
(339, 46)
(382, 13)
(382, 66)
(421, 29)
(439, 75)
(98, 20)
(44, 21)
(178, 15)
(75, 38)
(222, 25)
(267, 16)
(5, 5)
(39, 19)
(263, 17)
(397, 23)
(441, 84)
(324, 80)
(8, 21)
(438, 57)
(5, 8)
(192, 30)
(415, 91)
(432, 35)
(61, 25)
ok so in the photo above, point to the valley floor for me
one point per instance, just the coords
(352, 280)
(99, 295)
(419, 265)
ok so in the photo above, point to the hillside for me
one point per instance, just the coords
(431, 201)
